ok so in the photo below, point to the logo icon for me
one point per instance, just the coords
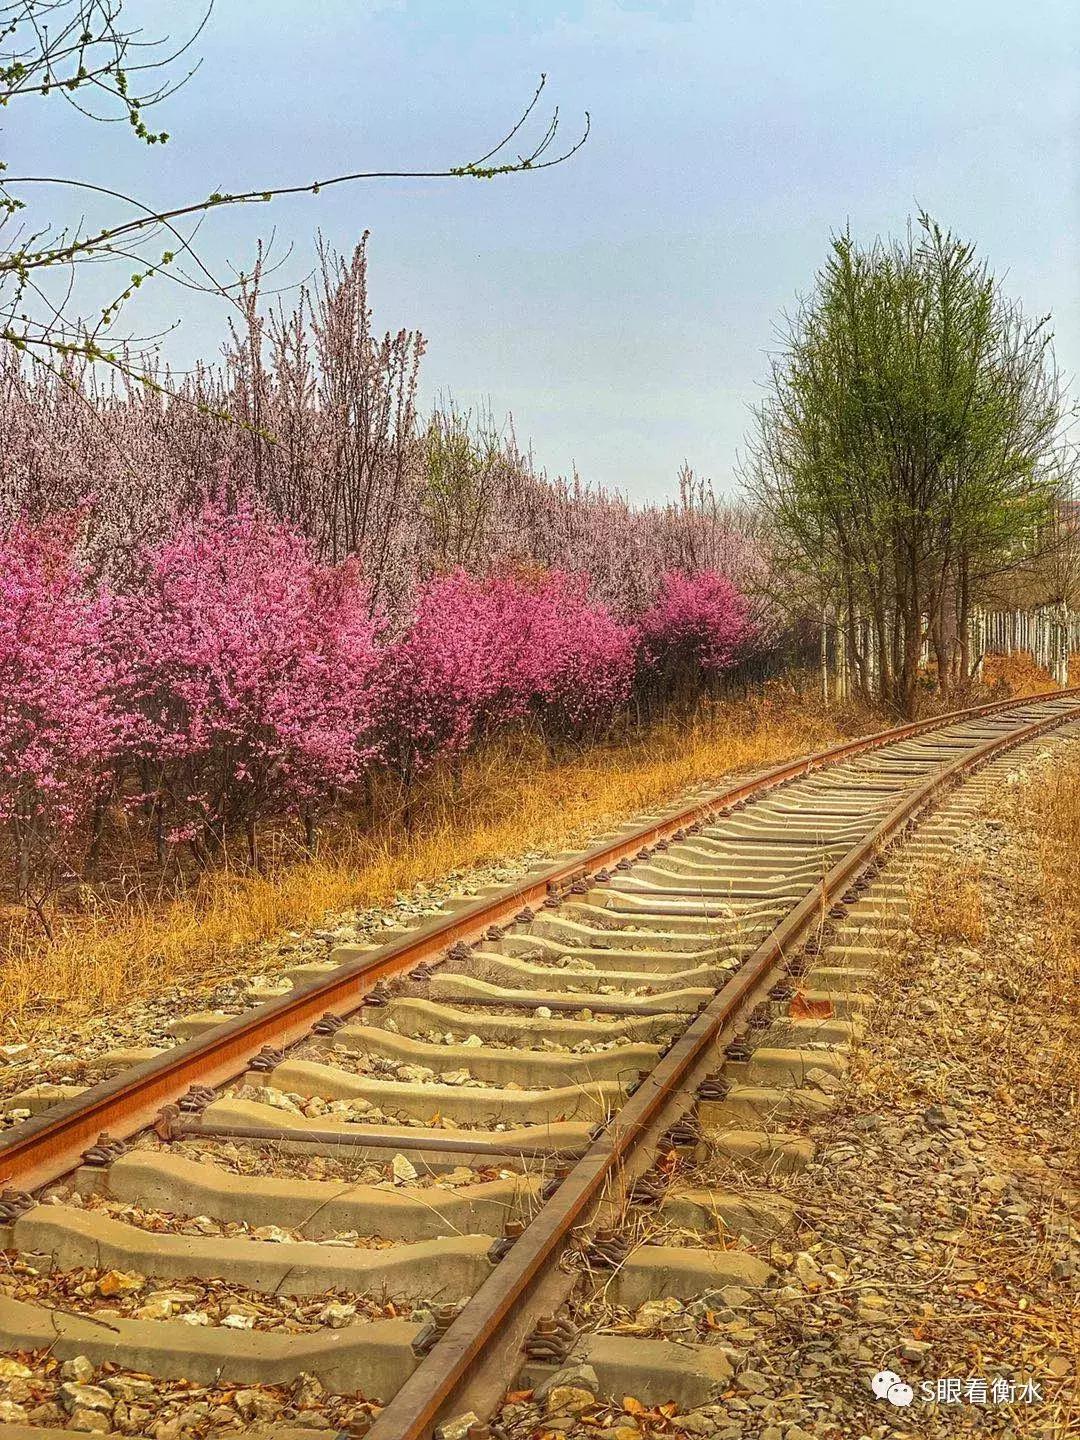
(887, 1385)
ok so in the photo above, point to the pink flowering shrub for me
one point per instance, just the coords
(693, 631)
(449, 674)
(56, 733)
(576, 660)
(245, 672)
(481, 653)
(234, 677)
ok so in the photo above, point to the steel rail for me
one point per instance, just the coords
(49, 1145)
(480, 1352)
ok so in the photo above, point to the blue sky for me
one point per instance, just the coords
(620, 307)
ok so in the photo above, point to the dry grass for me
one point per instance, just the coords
(972, 1027)
(1016, 1037)
(1016, 674)
(946, 901)
(1021, 910)
(1045, 814)
(511, 799)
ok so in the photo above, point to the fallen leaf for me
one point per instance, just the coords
(803, 1008)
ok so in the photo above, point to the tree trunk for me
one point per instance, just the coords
(824, 656)
(22, 851)
(159, 834)
(963, 626)
(941, 656)
(97, 832)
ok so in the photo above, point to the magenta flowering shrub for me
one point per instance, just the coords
(235, 677)
(481, 653)
(244, 672)
(451, 674)
(56, 730)
(693, 631)
(576, 660)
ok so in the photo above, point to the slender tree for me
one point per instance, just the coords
(906, 452)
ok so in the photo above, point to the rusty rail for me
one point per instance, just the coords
(51, 1144)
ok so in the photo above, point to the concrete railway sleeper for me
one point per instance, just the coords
(433, 1169)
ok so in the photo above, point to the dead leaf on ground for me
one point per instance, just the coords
(803, 1008)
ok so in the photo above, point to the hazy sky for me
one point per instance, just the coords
(620, 306)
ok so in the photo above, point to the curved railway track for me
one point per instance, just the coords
(530, 1072)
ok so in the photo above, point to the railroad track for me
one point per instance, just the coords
(430, 1171)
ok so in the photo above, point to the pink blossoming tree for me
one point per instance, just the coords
(56, 732)
(245, 671)
(233, 677)
(692, 633)
(575, 660)
(481, 653)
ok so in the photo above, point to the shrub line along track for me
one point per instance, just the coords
(481, 1347)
